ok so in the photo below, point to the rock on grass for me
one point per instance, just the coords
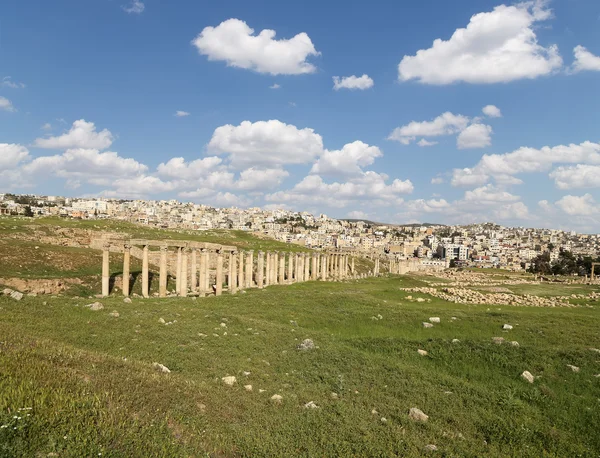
(161, 368)
(417, 415)
(528, 376)
(306, 345)
(229, 380)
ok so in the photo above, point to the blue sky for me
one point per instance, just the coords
(90, 91)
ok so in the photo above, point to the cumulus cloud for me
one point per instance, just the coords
(81, 135)
(135, 7)
(11, 155)
(526, 160)
(266, 143)
(256, 179)
(177, 168)
(424, 143)
(348, 161)
(579, 205)
(475, 136)
(234, 42)
(6, 104)
(445, 124)
(492, 111)
(352, 82)
(495, 47)
(357, 214)
(370, 187)
(489, 194)
(585, 60)
(579, 176)
(275, 86)
(437, 180)
(181, 114)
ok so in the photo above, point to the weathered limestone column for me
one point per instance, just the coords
(300, 267)
(162, 280)
(260, 269)
(105, 270)
(219, 276)
(352, 266)
(275, 267)
(207, 286)
(315, 266)
(297, 267)
(345, 265)
(202, 274)
(145, 285)
(333, 259)
(306, 262)
(268, 269)
(323, 267)
(184, 273)
(290, 268)
(249, 267)
(194, 271)
(232, 281)
(178, 271)
(126, 268)
(240, 278)
(281, 263)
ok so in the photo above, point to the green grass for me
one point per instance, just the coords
(89, 380)
(552, 289)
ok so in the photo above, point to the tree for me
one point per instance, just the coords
(28, 212)
(452, 263)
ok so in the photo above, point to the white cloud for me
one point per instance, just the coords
(81, 135)
(526, 160)
(136, 7)
(255, 179)
(181, 114)
(579, 205)
(370, 188)
(510, 212)
(139, 186)
(6, 104)
(47, 126)
(233, 41)
(85, 163)
(445, 124)
(475, 136)
(177, 168)
(424, 143)
(585, 60)
(266, 143)
(348, 161)
(492, 111)
(489, 194)
(12, 155)
(357, 214)
(495, 47)
(352, 82)
(437, 180)
(579, 176)
(275, 86)
(545, 206)
(8, 82)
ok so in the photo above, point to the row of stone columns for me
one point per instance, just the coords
(193, 269)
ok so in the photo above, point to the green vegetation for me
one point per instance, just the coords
(87, 383)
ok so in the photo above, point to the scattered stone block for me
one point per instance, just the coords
(127, 300)
(17, 296)
(161, 320)
(430, 448)
(435, 319)
(422, 352)
(417, 415)
(114, 314)
(7, 291)
(248, 387)
(306, 345)
(528, 376)
(514, 343)
(455, 341)
(229, 380)
(573, 368)
(161, 368)
(427, 325)
(277, 399)
(507, 327)
(498, 340)
(311, 405)
(95, 306)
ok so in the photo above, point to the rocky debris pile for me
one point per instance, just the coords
(468, 296)
(44, 286)
(306, 345)
(16, 295)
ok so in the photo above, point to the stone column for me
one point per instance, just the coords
(207, 287)
(281, 280)
(240, 276)
(178, 271)
(260, 269)
(352, 266)
(184, 273)
(323, 267)
(249, 268)
(306, 262)
(194, 271)
(315, 267)
(145, 273)
(162, 280)
(232, 282)
(290, 268)
(268, 269)
(219, 276)
(202, 274)
(297, 267)
(275, 267)
(105, 270)
(126, 268)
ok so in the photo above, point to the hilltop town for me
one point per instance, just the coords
(430, 246)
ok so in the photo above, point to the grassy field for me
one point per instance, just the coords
(80, 383)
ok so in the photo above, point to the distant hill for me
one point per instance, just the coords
(373, 223)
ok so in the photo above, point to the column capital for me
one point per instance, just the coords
(260, 252)
(127, 246)
(164, 248)
(106, 246)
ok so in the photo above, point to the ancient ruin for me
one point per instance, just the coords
(200, 269)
